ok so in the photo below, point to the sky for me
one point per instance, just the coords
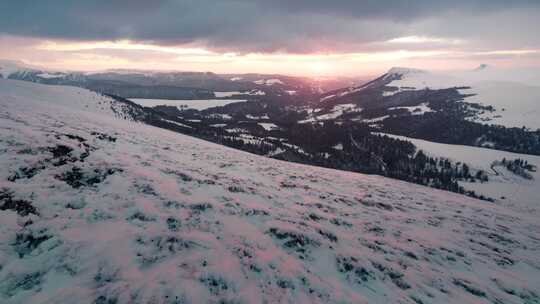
(296, 37)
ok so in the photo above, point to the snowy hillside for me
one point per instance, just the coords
(58, 98)
(516, 104)
(8, 67)
(515, 96)
(504, 186)
(98, 209)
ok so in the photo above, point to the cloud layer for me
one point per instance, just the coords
(299, 26)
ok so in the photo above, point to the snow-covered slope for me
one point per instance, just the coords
(515, 95)
(414, 79)
(504, 186)
(8, 67)
(60, 97)
(516, 104)
(98, 209)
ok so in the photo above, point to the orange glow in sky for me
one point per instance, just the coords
(125, 54)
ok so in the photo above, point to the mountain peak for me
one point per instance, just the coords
(403, 71)
(13, 63)
(482, 67)
(400, 72)
(8, 67)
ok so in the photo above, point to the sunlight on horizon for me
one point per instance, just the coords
(127, 54)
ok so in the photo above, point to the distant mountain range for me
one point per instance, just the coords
(179, 85)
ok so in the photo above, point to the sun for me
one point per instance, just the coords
(319, 68)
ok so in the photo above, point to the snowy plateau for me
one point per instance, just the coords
(98, 208)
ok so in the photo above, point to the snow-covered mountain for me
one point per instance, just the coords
(510, 98)
(418, 79)
(514, 95)
(96, 208)
(8, 67)
(440, 113)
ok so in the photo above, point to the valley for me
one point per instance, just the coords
(290, 119)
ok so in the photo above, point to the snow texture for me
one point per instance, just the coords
(268, 126)
(99, 209)
(199, 105)
(268, 82)
(334, 113)
(49, 75)
(227, 94)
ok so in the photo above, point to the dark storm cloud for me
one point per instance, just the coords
(399, 10)
(252, 25)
